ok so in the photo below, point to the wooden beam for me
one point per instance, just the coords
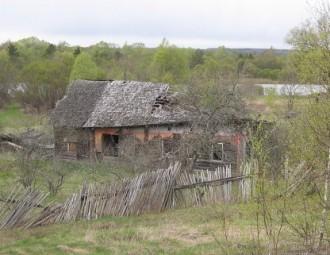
(221, 181)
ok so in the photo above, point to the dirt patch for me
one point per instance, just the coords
(90, 236)
(66, 248)
(185, 234)
(195, 237)
(105, 226)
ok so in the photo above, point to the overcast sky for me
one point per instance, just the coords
(188, 23)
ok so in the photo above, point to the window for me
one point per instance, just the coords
(217, 151)
(71, 147)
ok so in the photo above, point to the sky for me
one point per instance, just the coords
(185, 23)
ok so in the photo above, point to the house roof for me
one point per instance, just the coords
(117, 104)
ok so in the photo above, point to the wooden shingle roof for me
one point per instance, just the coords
(90, 104)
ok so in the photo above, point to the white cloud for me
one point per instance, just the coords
(195, 23)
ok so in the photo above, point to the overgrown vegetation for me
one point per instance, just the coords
(36, 72)
(290, 160)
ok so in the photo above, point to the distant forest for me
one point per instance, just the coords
(43, 70)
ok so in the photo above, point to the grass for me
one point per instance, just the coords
(181, 231)
(271, 107)
(189, 231)
(185, 231)
(14, 120)
(75, 174)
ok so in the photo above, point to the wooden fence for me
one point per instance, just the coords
(19, 207)
(205, 187)
(153, 191)
(147, 192)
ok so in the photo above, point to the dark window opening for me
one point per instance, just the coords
(111, 145)
(218, 151)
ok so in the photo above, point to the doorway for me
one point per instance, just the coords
(111, 145)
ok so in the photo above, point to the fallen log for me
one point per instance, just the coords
(10, 146)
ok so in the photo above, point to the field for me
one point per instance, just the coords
(212, 229)
(185, 231)
(190, 231)
(182, 231)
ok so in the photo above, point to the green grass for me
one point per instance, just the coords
(273, 106)
(181, 231)
(189, 231)
(14, 120)
(75, 174)
(185, 231)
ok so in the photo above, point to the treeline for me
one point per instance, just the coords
(37, 72)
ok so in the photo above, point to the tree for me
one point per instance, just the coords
(310, 143)
(8, 77)
(169, 64)
(50, 50)
(76, 51)
(12, 51)
(45, 81)
(289, 76)
(85, 68)
(196, 58)
(311, 42)
(214, 105)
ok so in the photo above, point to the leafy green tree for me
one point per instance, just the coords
(134, 62)
(312, 47)
(268, 64)
(8, 77)
(50, 51)
(289, 76)
(30, 49)
(196, 58)
(312, 55)
(228, 63)
(169, 64)
(85, 68)
(76, 51)
(219, 67)
(45, 82)
(12, 51)
(250, 69)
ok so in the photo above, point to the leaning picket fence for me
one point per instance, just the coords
(210, 186)
(153, 191)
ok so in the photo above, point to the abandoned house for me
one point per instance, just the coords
(96, 118)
